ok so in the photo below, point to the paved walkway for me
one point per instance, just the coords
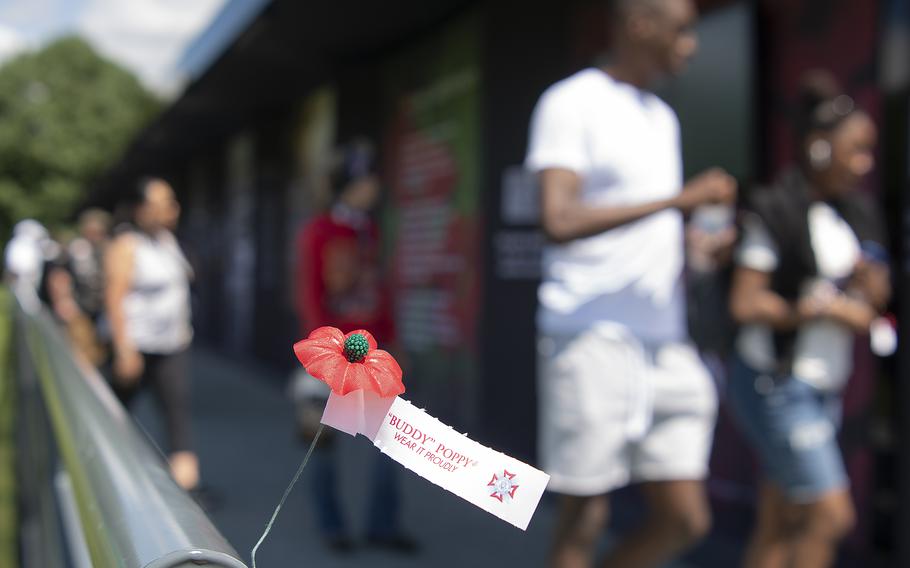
(244, 435)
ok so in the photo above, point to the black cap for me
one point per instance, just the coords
(351, 162)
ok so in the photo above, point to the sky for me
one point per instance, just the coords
(146, 36)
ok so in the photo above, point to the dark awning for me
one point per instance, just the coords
(287, 48)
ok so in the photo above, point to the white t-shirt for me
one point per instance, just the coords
(823, 354)
(624, 144)
(25, 260)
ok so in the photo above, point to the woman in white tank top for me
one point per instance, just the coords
(156, 307)
(148, 305)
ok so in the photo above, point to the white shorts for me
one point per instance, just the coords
(614, 411)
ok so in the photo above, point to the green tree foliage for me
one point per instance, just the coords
(66, 114)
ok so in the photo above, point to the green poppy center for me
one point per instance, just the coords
(356, 348)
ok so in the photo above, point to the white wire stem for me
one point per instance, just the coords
(268, 527)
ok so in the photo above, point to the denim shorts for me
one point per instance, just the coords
(793, 427)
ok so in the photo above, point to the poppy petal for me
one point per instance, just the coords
(355, 377)
(385, 373)
(369, 336)
(330, 368)
(308, 349)
(328, 332)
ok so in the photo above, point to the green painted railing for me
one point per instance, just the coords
(9, 535)
(116, 499)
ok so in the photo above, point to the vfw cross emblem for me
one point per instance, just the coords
(502, 488)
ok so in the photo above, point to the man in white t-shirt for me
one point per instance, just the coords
(624, 397)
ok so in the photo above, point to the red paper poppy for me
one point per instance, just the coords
(348, 363)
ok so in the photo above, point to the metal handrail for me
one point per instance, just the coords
(132, 513)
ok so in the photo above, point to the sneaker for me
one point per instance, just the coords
(340, 544)
(208, 499)
(397, 543)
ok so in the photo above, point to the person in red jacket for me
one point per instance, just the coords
(338, 279)
(339, 284)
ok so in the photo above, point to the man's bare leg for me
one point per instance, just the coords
(580, 525)
(678, 517)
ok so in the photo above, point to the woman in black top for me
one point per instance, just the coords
(810, 274)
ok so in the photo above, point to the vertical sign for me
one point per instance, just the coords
(431, 151)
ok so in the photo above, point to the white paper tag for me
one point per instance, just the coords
(491, 480)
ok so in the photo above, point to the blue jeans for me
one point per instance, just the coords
(384, 498)
(793, 427)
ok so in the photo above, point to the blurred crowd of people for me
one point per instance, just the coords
(120, 289)
(121, 293)
(625, 397)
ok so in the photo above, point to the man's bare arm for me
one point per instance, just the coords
(566, 217)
